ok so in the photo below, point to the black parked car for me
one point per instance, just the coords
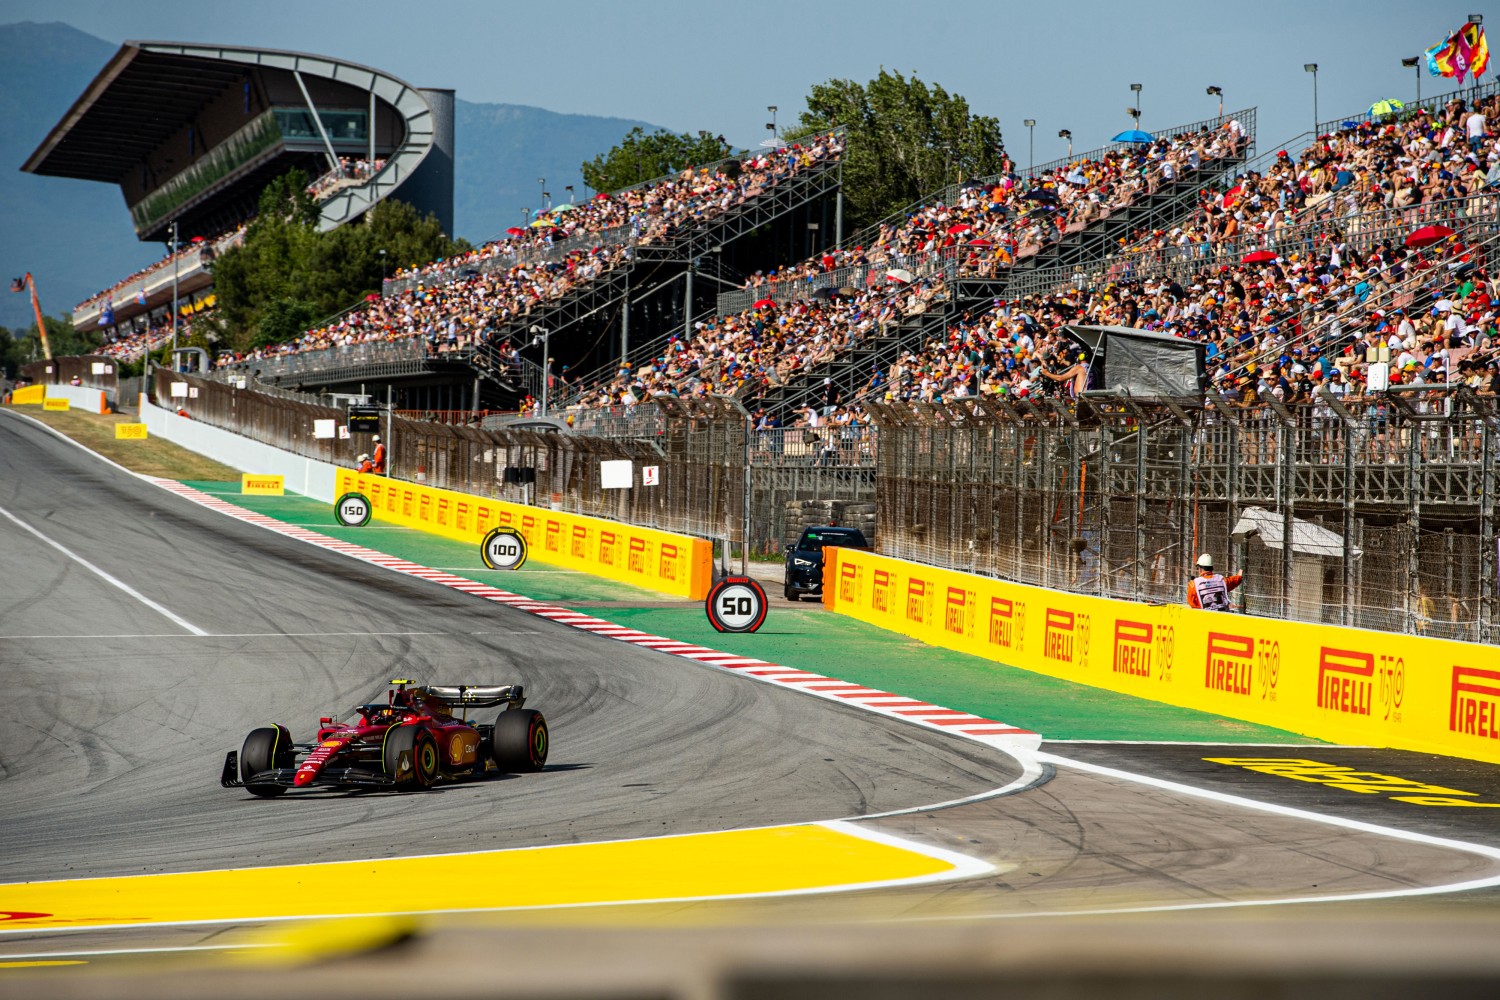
(804, 560)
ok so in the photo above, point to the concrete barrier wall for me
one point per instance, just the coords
(307, 476)
(81, 397)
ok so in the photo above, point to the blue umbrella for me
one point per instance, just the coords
(1134, 135)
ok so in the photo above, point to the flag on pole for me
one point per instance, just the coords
(107, 314)
(1475, 49)
(140, 297)
(1441, 57)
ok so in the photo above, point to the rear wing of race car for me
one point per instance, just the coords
(477, 696)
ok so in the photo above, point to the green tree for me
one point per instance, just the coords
(287, 275)
(642, 156)
(906, 139)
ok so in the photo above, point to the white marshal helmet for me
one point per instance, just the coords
(1206, 561)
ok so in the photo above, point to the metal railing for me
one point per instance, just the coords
(409, 348)
(1378, 512)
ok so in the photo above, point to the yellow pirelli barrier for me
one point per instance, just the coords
(1340, 684)
(658, 560)
(32, 394)
(131, 432)
(56, 403)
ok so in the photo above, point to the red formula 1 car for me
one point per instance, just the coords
(418, 737)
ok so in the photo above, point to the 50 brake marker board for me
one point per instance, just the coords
(736, 604)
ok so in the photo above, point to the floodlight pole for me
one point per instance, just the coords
(1030, 124)
(1313, 69)
(174, 295)
(546, 336)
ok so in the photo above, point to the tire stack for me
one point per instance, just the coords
(803, 514)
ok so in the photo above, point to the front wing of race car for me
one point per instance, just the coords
(287, 776)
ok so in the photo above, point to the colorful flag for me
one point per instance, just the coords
(1477, 53)
(140, 297)
(107, 314)
(1441, 57)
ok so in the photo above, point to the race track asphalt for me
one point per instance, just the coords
(118, 714)
(117, 718)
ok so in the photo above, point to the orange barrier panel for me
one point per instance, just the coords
(659, 560)
(1340, 684)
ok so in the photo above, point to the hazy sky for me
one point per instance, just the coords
(716, 66)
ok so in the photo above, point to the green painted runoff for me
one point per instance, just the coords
(805, 637)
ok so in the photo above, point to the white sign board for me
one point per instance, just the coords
(616, 475)
(98, 367)
(1378, 377)
(343, 432)
(325, 428)
(193, 392)
(650, 475)
(179, 390)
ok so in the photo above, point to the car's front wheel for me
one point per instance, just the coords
(265, 749)
(410, 756)
(521, 741)
(791, 594)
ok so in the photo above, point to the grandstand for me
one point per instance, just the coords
(651, 257)
(193, 133)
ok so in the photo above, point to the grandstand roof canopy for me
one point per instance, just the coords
(138, 100)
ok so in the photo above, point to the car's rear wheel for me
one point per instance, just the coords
(266, 749)
(520, 741)
(410, 756)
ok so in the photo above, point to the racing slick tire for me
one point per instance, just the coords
(422, 770)
(519, 745)
(265, 749)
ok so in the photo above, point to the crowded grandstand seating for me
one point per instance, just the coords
(1334, 294)
(131, 345)
(898, 270)
(191, 252)
(454, 304)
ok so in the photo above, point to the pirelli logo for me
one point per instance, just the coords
(482, 519)
(880, 593)
(668, 561)
(390, 501)
(607, 547)
(956, 611)
(1345, 679)
(461, 517)
(528, 524)
(552, 541)
(1133, 642)
(850, 580)
(580, 546)
(1231, 663)
(638, 558)
(1003, 622)
(916, 600)
(1058, 637)
(407, 498)
(1474, 706)
(443, 510)
(424, 508)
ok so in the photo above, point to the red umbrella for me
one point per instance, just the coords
(960, 227)
(1259, 257)
(515, 231)
(601, 196)
(980, 243)
(764, 304)
(1428, 235)
(372, 297)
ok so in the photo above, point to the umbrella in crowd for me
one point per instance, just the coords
(1259, 257)
(1041, 194)
(559, 209)
(901, 274)
(848, 290)
(1133, 135)
(1428, 235)
(542, 224)
(515, 231)
(764, 304)
(824, 293)
(961, 227)
(980, 243)
(1389, 106)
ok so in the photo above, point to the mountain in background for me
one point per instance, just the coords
(76, 237)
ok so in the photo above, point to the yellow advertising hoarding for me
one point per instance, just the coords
(55, 403)
(1340, 684)
(130, 432)
(658, 560)
(263, 485)
(31, 394)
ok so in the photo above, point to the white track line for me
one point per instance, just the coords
(115, 582)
